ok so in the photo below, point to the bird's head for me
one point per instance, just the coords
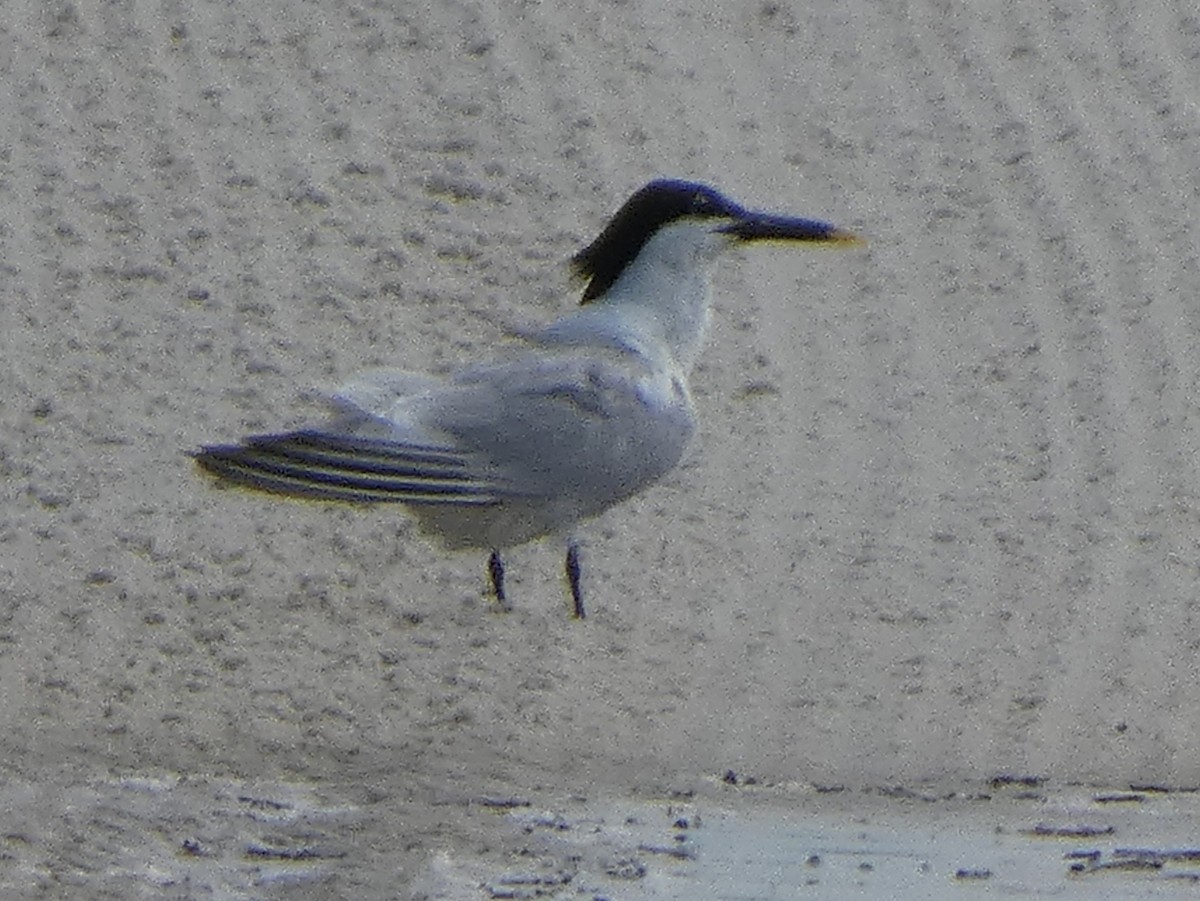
(714, 221)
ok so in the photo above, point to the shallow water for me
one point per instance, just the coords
(1067, 843)
(762, 856)
(172, 836)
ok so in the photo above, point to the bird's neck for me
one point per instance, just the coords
(665, 291)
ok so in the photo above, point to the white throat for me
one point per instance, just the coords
(667, 287)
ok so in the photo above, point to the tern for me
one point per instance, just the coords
(593, 409)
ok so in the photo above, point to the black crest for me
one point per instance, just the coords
(649, 209)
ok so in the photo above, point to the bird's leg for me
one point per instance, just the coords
(496, 574)
(574, 570)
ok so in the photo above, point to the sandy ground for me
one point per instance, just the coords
(942, 523)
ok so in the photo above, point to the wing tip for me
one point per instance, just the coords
(315, 465)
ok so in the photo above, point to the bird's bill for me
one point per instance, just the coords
(768, 227)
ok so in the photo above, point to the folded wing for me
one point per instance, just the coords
(327, 466)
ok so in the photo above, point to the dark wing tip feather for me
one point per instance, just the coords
(312, 464)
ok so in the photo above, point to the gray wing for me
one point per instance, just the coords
(579, 431)
(591, 427)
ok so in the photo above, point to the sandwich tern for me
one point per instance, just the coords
(593, 409)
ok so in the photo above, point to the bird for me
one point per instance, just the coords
(590, 410)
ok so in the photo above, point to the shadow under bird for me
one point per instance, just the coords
(593, 409)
